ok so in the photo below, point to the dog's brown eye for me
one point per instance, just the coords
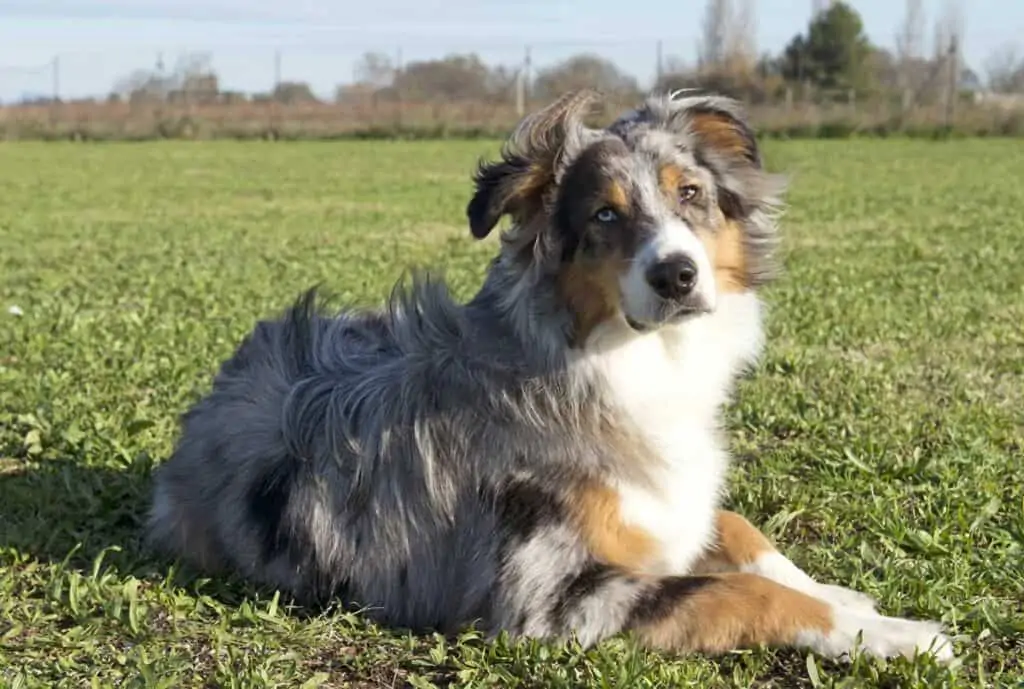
(688, 192)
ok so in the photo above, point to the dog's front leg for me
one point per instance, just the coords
(716, 613)
(741, 547)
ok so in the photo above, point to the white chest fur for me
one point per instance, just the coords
(672, 384)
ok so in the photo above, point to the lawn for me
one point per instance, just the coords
(879, 442)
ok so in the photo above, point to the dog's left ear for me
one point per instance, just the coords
(726, 132)
(725, 141)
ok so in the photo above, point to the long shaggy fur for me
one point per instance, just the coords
(441, 464)
(412, 459)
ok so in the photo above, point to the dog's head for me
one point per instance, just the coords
(650, 220)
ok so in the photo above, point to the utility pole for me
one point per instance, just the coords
(659, 69)
(953, 77)
(398, 89)
(56, 78)
(522, 83)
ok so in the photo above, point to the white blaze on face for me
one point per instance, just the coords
(672, 237)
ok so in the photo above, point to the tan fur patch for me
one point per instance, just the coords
(720, 133)
(728, 255)
(617, 197)
(670, 178)
(737, 543)
(529, 188)
(590, 289)
(611, 541)
(737, 611)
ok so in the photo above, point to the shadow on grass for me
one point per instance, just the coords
(63, 511)
(51, 506)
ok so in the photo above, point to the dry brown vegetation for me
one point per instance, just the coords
(318, 120)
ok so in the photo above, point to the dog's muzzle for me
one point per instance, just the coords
(675, 279)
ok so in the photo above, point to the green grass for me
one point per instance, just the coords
(880, 441)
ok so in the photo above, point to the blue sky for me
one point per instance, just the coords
(98, 41)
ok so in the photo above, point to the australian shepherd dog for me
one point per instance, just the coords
(545, 459)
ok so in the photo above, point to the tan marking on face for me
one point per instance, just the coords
(670, 179)
(616, 197)
(727, 254)
(590, 288)
(737, 543)
(721, 134)
(611, 541)
(734, 611)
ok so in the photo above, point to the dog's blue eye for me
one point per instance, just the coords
(606, 215)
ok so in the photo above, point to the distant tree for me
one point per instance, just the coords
(909, 46)
(375, 70)
(715, 31)
(970, 81)
(142, 84)
(947, 49)
(728, 37)
(949, 29)
(742, 45)
(1005, 70)
(358, 92)
(581, 71)
(889, 70)
(292, 92)
(835, 53)
(193, 79)
(754, 80)
(501, 83)
(452, 78)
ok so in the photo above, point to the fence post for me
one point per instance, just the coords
(55, 100)
(398, 89)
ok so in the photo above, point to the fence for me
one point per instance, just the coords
(268, 120)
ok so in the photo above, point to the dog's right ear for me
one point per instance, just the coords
(500, 187)
(516, 183)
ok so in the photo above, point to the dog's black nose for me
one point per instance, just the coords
(673, 277)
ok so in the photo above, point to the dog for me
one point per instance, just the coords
(545, 459)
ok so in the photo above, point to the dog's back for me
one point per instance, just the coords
(343, 457)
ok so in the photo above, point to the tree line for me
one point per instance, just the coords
(831, 59)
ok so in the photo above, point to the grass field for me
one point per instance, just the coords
(880, 442)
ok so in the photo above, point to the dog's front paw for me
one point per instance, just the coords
(882, 637)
